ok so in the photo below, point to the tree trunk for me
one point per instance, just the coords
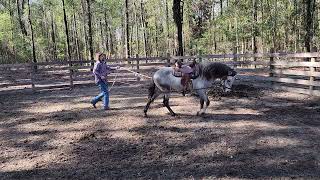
(12, 30)
(66, 30)
(123, 37)
(85, 36)
(20, 16)
(53, 38)
(131, 38)
(127, 29)
(168, 28)
(32, 36)
(76, 37)
(178, 18)
(262, 29)
(101, 36)
(106, 32)
(111, 41)
(144, 24)
(213, 28)
(221, 7)
(309, 17)
(274, 38)
(90, 30)
(254, 26)
(295, 26)
(46, 29)
(156, 39)
(236, 42)
(137, 29)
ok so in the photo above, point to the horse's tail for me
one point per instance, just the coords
(152, 89)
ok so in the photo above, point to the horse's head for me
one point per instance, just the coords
(228, 81)
(215, 70)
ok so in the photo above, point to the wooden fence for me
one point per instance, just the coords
(297, 72)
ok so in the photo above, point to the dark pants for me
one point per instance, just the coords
(185, 79)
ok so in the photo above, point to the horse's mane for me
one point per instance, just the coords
(213, 70)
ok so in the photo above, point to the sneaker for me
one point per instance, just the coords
(93, 104)
(106, 108)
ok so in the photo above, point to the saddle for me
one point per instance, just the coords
(185, 71)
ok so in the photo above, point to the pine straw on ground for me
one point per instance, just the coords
(248, 134)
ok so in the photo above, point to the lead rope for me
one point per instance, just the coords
(136, 73)
(114, 80)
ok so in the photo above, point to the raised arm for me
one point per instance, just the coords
(112, 68)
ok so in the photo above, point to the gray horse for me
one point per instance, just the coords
(164, 82)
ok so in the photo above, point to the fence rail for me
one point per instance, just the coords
(299, 72)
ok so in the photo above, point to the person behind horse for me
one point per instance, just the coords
(100, 71)
(186, 72)
(195, 69)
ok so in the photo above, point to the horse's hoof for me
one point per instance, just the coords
(200, 113)
(173, 114)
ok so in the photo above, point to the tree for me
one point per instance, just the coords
(254, 27)
(309, 20)
(90, 30)
(20, 8)
(32, 35)
(153, 27)
(127, 29)
(144, 27)
(178, 18)
(67, 30)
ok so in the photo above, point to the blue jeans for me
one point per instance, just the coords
(104, 95)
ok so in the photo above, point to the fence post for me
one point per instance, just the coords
(138, 68)
(271, 66)
(235, 59)
(168, 60)
(312, 70)
(33, 70)
(71, 75)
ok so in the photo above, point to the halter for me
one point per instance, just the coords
(226, 84)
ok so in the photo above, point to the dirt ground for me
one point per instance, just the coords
(252, 133)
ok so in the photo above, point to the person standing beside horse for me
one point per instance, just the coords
(101, 71)
(186, 72)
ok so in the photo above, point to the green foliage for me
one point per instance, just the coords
(206, 28)
(5, 27)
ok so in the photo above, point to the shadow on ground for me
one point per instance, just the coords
(265, 136)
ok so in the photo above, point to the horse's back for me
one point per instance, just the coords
(165, 80)
(164, 72)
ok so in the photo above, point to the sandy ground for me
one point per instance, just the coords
(253, 133)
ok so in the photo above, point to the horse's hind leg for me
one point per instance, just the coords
(164, 101)
(203, 99)
(151, 99)
(166, 104)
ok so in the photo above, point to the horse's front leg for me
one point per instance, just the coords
(204, 102)
(166, 103)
